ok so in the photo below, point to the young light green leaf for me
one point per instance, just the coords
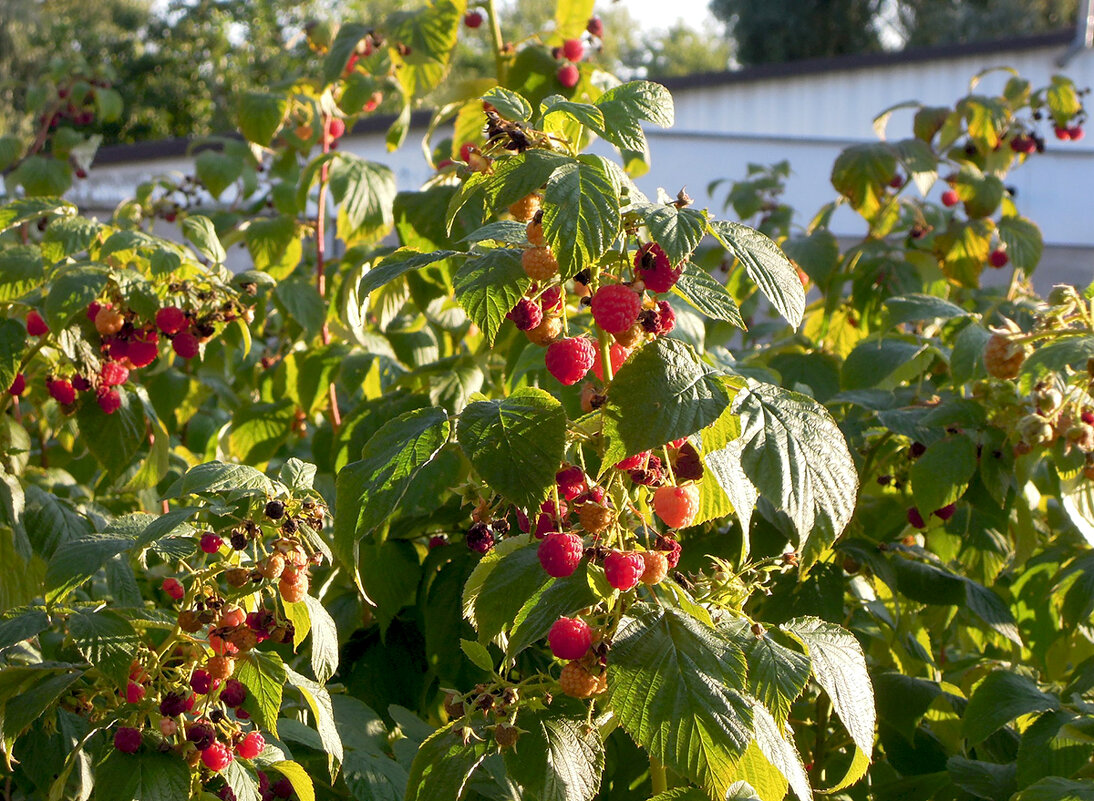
(708, 296)
(201, 233)
(580, 212)
(324, 640)
(765, 264)
(678, 231)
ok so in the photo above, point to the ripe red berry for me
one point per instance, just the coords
(134, 693)
(1062, 132)
(466, 150)
(618, 355)
(654, 268)
(36, 326)
(551, 300)
(186, 345)
(670, 547)
(127, 740)
(595, 26)
(202, 683)
(946, 512)
(176, 702)
(473, 19)
(677, 506)
(216, 757)
(18, 386)
(114, 374)
(526, 315)
(560, 554)
(915, 518)
(636, 462)
(998, 258)
(568, 75)
(615, 307)
(1087, 417)
(169, 319)
(1076, 133)
(251, 746)
(950, 198)
(571, 482)
(142, 352)
(568, 360)
(210, 543)
(624, 570)
(234, 693)
(569, 638)
(335, 128)
(174, 589)
(573, 49)
(61, 390)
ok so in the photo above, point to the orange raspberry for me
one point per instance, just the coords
(534, 232)
(108, 322)
(677, 506)
(546, 332)
(539, 264)
(657, 567)
(272, 567)
(1003, 358)
(578, 682)
(293, 585)
(220, 667)
(525, 208)
(595, 517)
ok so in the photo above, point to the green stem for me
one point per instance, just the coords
(501, 61)
(659, 782)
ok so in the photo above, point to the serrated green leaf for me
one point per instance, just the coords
(776, 674)
(559, 759)
(105, 640)
(201, 233)
(443, 765)
(260, 115)
(509, 104)
(708, 296)
(1023, 241)
(71, 292)
(678, 231)
(217, 171)
(28, 209)
(397, 264)
(766, 265)
(580, 212)
(999, 699)
(489, 286)
(147, 776)
(942, 474)
(263, 674)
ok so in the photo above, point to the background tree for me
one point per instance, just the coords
(930, 22)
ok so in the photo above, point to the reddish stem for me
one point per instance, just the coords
(320, 259)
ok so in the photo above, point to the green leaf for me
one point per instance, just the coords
(13, 339)
(274, 245)
(510, 180)
(22, 269)
(571, 17)
(1057, 788)
(986, 118)
(324, 640)
(429, 34)
(76, 561)
(509, 104)
(108, 104)
(942, 474)
(515, 444)
(776, 674)
(982, 779)
(30, 700)
(263, 674)
(30, 209)
(147, 776)
(677, 231)
(884, 363)
(999, 699)
(366, 192)
(344, 44)
(920, 308)
(215, 477)
(105, 640)
(258, 430)
(903, 700)
(780, 752)
(217, 171)
(41, 176)
(399, 263)
(793, 453)
(370, 490)
(500, 584)
(114, 439)
(302, 303)
(557, 758)
(374, 777)
(839, 667)
(260, 115)
(861, 174)
(580, 212)
(478, 654)
(298, 777)
(981, 194)
(919, 161)
(1023, 241)
(70, 293)
(443, 766)
(766, 265)
(663, 392)
(489, 286)
(674, 685)
(1046, 750)
(704, 293)
(200, 231)
(626, 106)
(22, 627)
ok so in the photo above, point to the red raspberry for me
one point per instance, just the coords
(216, 757)
(654, 268)
(210, 542)
(202, 683)
(653, 475)
(615, 307)
(619, 355)
(480, 538)
(677, 506)
(127, 740)
(915, 518)
(526, 315)
(1076, 133)
(61, 390)
(671, 549)
(569, 638)
(1087, 417)
(186, 345)
(946, 512)
(142, 352)
(950, 198)
(636, 462)
(550, 519)
(18, 386)
(568, 76)
(335, 128)
(170, 320)
(282, 788)
(176, 702)
(201, 734)
(659, 321)
(595, 27)
(551, 300)
(573, 49)
(251, 746)
(134, 693)
(560, 554)
(1062, 133)
(623, 570)
(234, 693)
(36, 326)
(114, 374)
(688, 465)
(116, 349)
(571, 482)
(81, 384)
(173, 587)
(93, 310)
(998, 258)
(472, 19)
(232, 616)
(570, 359)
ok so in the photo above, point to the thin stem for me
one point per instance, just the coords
(320, 260)
(501, 62)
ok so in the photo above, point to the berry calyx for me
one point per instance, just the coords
(950, 198)
(210, 542)
(998, 258)
(539, 264)
(568, 76)
(570, 359)
(657, 567)
(36, 326)
(127, 740)
(473, 19)
(251, 746)
(615, 307)
(677, 506)
(216, 757)
(185, 345)
(171, 320)
(61, 390)
(624, 570)
(174, 589)
(573, 50)
(654, 268)
(569, 638)
(560, 554)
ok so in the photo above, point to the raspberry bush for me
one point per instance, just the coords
(533, 486)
